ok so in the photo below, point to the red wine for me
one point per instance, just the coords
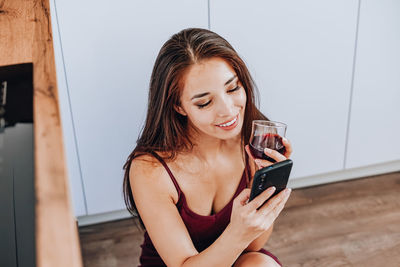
(272, 141)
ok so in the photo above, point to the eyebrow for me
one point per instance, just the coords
(230, 80)
(204, 94)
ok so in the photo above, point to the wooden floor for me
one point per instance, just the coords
(352, 223)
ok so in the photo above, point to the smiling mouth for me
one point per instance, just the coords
(229, 123)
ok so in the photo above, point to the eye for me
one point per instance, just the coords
(234, 89)
(204, 105)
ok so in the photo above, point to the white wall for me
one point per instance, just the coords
(301, 56)
(108, 53)
(374, 128)
(318, 65)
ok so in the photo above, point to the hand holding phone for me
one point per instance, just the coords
(274, 175)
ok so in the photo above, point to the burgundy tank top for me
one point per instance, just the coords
(203, 230)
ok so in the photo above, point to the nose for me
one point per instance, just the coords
(225, 107)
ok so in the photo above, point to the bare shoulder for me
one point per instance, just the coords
(155, 198)
(148, 176)
(145, 165)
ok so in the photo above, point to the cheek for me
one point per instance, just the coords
(241, 99)
(199, 117)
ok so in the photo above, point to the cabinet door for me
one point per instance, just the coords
(109, 50)
(300, 54)
(375, 111)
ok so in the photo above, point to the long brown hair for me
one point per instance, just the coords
(165, 130)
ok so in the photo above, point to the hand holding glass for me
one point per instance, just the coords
(267, 134)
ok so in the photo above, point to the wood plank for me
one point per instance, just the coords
(351, 223)
(26, 37)
(17, 29)
(341, 224)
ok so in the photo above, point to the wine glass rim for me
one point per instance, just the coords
(266, 123)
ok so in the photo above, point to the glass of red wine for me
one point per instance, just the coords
(267, 134)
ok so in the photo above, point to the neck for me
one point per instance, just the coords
(209, 148)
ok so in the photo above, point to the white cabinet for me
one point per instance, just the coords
(301, 56)
(109, 49)
(375, 112)
(300, 53)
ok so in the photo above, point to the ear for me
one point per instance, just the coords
(180, 110)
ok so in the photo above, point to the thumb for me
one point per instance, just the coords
(242, 198)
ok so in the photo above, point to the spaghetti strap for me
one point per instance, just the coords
(160, 159)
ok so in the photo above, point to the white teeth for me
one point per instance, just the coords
(228, 123)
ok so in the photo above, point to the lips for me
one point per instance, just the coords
(228, 123)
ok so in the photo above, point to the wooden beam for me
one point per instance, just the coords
(26, 36)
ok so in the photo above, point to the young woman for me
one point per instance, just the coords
(189, 176)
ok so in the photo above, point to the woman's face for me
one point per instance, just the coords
(213, 99)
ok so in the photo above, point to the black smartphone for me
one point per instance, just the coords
(276, 175)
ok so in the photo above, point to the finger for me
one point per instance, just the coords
(261, 198)
(242, 198)
(276, 204)
(274, 154)
(262, 163)
(288, 147)
(274, 213)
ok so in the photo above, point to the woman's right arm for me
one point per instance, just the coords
(153, 192)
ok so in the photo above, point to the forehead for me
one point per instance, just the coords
(206, 76)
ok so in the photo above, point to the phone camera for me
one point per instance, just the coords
(263, 178)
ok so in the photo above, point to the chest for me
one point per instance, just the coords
(209, 189)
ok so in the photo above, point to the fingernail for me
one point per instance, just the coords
(257, 161)
(288, 191)
(272, 188)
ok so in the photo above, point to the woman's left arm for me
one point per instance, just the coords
(256, 164)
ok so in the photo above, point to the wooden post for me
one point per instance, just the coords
(26, 36)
